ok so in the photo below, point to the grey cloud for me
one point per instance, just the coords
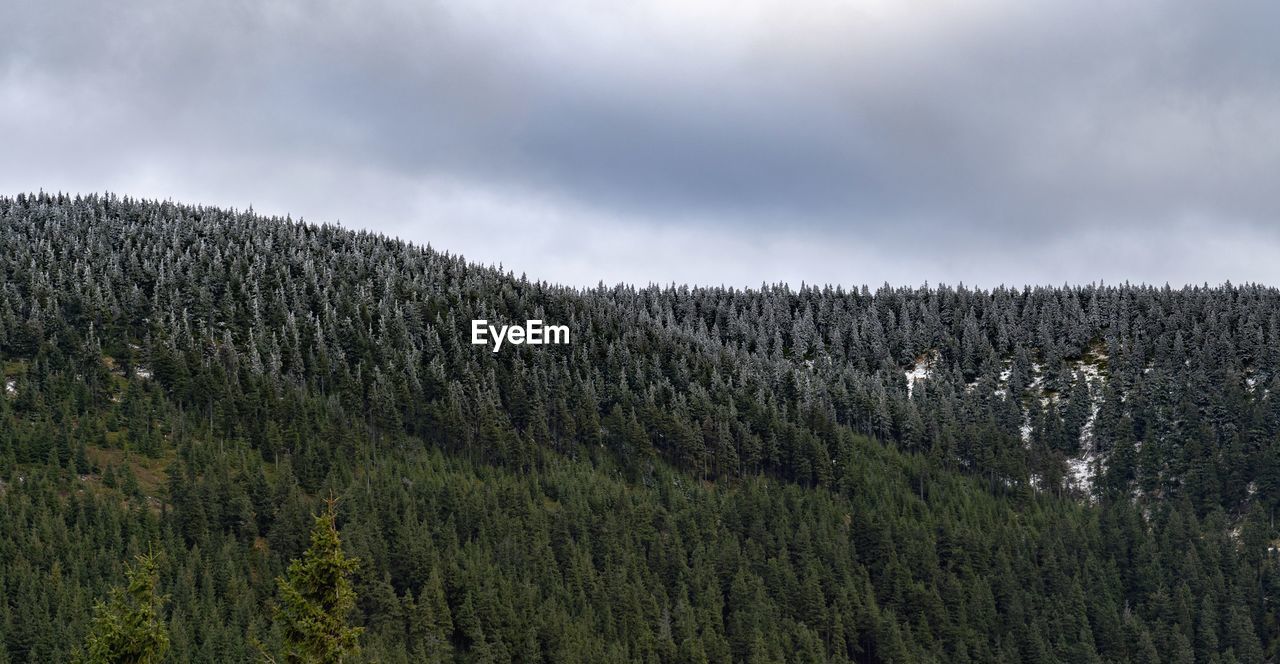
(974, 127)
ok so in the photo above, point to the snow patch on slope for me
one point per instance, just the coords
(1085, 467)
(1037, 377)
(1002, 381)
(921, 369)
(1254, 381)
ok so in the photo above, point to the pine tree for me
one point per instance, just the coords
(128, 627)
(430, 623)
(316, 598)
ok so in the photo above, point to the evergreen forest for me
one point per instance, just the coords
(1081, 473)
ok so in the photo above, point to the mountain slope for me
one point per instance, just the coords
(1083, 473)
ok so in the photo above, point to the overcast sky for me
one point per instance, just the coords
(727, 142)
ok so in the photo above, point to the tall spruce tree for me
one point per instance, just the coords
(316, 599)
(128, 628)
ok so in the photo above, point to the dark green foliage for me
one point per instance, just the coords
(703, 475)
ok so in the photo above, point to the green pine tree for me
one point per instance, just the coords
(128, 627)
(316, 598)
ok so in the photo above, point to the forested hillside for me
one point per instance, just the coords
(1075, 474)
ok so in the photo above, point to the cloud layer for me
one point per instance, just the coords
(985, 141)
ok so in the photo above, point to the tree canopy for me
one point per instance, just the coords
(1083, 473)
